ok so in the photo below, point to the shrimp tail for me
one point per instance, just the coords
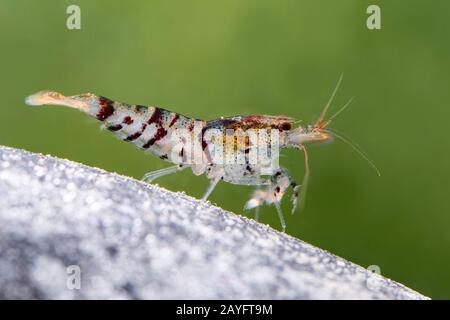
(86, 102)
(146, 126)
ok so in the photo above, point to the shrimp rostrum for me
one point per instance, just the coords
(240, 150)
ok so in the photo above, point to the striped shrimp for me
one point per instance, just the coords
(222, 149)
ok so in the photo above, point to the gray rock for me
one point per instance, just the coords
(134, 240)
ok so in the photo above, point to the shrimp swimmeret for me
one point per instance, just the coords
(240, 150)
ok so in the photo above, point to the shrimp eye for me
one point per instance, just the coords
(286, 126)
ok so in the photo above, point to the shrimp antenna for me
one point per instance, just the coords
(340, 110)
(324, 112)
(327, 122)
(355, 147)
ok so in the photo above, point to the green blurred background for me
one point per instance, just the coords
(219, 58)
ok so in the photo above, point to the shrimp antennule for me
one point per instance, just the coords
(324, 112)
(328, 121)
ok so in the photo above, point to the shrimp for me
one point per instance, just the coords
(227, 149)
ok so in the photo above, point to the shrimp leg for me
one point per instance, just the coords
(211, 187)
(273, 194)
(150, 176)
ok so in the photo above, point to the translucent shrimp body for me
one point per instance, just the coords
(229, 149)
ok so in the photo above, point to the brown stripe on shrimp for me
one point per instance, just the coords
(156, 116)
(281, 123)
(116, 127)
(176, 116)
(159, 119)
(127, 120)
(137, 134)
(160, 133)
(106, 108)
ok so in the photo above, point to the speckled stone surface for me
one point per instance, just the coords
(134, 240)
